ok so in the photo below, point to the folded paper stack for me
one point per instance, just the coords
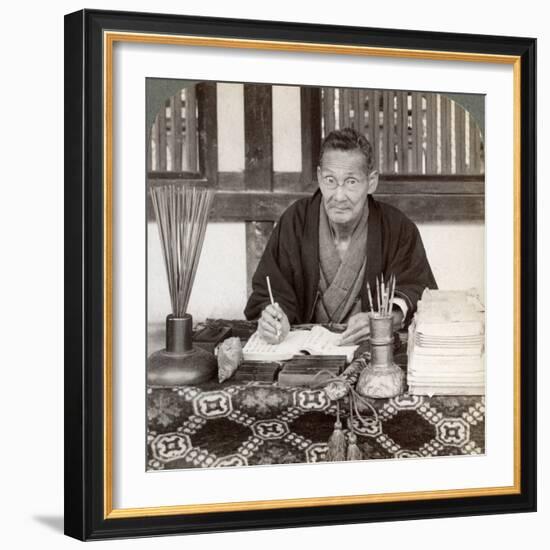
(446, 345)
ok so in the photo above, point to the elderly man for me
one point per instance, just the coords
(325, 249)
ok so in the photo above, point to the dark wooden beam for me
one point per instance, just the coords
(258, 135)
(268, 207)
(231, 181)
(258, 176)
(446, 149)
(176, 135)
(166, 178)
(422, 199)
(290, 182)
(191, 130)
(161, 139)
(427, 187)
(310, 112)
(460, 139)
(422, 208)
(431, 131)
(208, 131)
(438, 208)
(398, 183)
(328, 110)
(441, 178)
(253, 206)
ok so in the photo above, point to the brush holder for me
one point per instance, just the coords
(381, 378)
(180, 363)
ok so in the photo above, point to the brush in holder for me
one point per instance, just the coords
(381, 378)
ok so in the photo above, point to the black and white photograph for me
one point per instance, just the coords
(315, 274)
(270, 275)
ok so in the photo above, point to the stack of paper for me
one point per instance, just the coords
(446, 345)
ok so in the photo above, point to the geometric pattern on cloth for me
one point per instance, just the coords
(253, 423)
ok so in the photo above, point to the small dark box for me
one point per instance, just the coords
(303, 370)
(257, 371)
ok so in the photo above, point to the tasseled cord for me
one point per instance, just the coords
(337, 441)
(354, 452)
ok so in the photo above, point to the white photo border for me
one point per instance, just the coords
(128, 487)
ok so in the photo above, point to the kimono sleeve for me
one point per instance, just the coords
(275, 264)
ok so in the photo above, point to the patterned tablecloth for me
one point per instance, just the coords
(239, 424)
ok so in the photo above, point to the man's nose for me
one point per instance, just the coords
(339, 193)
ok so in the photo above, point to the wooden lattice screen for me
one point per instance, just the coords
(415, 132)
(174, 143)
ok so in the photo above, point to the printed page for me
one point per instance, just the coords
(256, 349)
(317, 341)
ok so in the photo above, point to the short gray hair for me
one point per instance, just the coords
(349, 139)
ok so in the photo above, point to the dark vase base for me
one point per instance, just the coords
(166, 368)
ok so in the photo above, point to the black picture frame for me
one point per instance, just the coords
(87, 516)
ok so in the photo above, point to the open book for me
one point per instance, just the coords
(317, 341)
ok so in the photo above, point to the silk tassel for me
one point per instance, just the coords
(337, 440)
(354, 453)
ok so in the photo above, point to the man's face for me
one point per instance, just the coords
(345, 185)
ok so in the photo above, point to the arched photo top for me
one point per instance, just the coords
(412, 132)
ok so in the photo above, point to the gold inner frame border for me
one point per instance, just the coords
(109, 39)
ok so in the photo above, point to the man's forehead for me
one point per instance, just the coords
(342, 160)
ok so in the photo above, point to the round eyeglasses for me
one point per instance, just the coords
(350, 184)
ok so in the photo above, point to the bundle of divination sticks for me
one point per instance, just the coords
(182, 216)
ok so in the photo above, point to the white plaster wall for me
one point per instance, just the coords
(230, 116)
(287, 129)
(456, 252)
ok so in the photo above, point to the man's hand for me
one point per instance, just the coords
(273, 325)
(358, 329)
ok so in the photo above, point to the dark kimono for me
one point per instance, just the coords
(291, 259)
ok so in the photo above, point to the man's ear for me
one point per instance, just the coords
(319, 178)
(372, 182)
